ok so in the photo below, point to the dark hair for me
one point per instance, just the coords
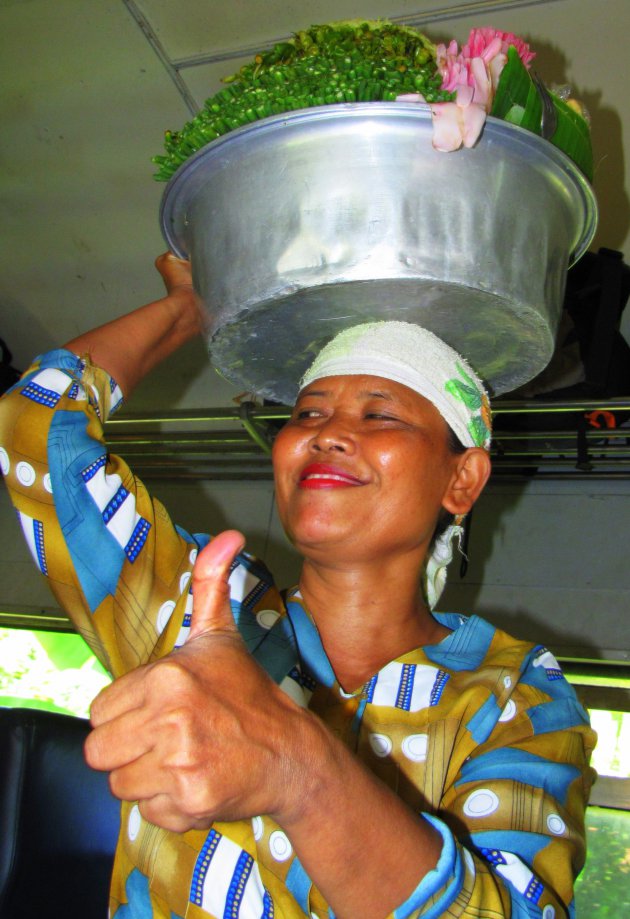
(454, 443)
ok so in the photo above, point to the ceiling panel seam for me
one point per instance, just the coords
(171, 68)
(437, 14)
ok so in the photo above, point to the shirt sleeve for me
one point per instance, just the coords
(512, 815)
(112, 556)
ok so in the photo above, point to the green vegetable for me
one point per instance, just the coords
(517, 100)
(352, 61)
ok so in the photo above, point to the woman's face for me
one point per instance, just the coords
(362, 469)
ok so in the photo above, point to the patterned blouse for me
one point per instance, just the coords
(480, 734)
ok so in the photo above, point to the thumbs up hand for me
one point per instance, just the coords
(203, 734)
(211, 591)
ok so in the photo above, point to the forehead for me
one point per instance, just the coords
(362, 387)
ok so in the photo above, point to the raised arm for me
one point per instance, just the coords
(129, 347)
(110, 552)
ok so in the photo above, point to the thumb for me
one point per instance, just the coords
(211, 592)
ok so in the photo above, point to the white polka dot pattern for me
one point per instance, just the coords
(414, 747)
(509, 711)
(25, 474)
(481, 803)
(164, 614)
(279, 846)
(555, 824)
(381, 744)
(133, 824)
(266, 618)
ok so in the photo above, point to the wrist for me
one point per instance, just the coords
(312, 773)
(182, 304)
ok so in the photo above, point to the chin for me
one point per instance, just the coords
(313, 535)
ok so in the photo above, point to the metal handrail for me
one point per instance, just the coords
(192, 444)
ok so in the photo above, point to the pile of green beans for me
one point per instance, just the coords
(356, 61)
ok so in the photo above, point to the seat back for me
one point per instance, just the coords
(58, 820)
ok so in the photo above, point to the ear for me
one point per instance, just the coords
(469, 477)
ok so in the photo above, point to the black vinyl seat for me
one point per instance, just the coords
(58, 820)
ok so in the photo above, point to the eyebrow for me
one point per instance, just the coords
(364, 394)
(378, 394)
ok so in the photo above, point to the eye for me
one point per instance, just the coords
(306, 414)
(380, 416)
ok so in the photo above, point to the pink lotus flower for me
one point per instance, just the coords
(473, 75)
(481, 43)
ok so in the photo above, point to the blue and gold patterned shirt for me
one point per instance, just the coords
(481, 734)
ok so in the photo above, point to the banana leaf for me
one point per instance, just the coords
(518, 101)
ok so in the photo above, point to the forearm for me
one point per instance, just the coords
(362, 847)
(132, 345)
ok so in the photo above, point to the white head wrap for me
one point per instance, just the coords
(408, 354)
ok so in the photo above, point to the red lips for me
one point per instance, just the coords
(322, 475)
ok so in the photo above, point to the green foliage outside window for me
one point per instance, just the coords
(50, 670)
(603, 888)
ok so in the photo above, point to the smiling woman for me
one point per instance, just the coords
(340, 748)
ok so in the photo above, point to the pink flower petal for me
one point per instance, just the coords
(410, 97)
(474, 117)
(483, 85)
(447, 126)
(472, 74)
(496, 66)
(465, 95)
(491, 50)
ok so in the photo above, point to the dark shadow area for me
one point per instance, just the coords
(552, 64)
(25, 334)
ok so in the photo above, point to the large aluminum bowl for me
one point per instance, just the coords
(303, 224)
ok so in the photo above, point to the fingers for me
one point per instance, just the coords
(176, 272)
(211, 593)
(126, 693)
(160, 811)
(120, 741)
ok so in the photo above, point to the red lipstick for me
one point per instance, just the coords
(322, 475)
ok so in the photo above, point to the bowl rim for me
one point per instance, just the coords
(178, 188)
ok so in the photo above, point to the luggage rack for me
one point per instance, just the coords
(556, 440)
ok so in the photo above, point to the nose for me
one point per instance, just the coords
(333, 437)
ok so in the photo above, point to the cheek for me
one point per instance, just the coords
(414, 481)
(287, 447)
(400, 471)
(287, 459)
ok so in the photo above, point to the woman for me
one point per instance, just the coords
(340, 751)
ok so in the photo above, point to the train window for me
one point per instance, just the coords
(49, 670)
(612, 753)
(56, 670)
(603, 888)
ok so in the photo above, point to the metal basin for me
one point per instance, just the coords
(306, 223)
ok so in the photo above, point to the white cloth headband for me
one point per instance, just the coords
(408, 354)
